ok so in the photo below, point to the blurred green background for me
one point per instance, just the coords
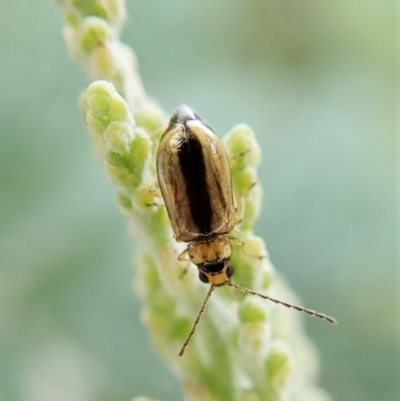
(316, 81)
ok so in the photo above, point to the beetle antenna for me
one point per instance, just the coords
(299, 308)
(203, 307)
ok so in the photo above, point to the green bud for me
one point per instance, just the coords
(90, 7)
(94, 31)
(98, 100)
(278, 363)
(119, 110)
(241, 143)
(267, 278)
(95, 124)
(112, 11)
(245, 179)
(118, 137)
(107, 111)
(152, 119)
(124, 203)
(70, 19)
(106, 63)
(252, 207)
(252, 310)
(253, 339)
(122, 177)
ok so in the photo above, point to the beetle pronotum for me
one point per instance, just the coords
(195, 182)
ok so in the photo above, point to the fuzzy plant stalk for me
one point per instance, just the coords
(245, 348)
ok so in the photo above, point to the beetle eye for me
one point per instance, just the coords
(203, 277)
(230, 270)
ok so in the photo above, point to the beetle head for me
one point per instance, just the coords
(212, 258)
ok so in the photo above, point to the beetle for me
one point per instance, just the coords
(195, 182)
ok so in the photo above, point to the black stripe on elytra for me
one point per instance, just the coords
(192, 164)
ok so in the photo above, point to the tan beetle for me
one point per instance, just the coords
(195, 182)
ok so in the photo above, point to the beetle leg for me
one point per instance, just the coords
(183, 255)
(183, 274)
(242, 243)
(242, 201)
(241, 209)
(154, 204)
(155, 193)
